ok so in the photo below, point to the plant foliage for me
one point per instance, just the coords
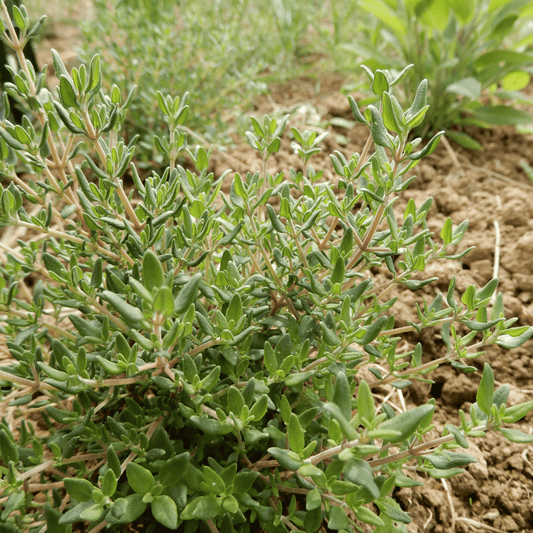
(215, 51)
(195, 357)
(471, 52)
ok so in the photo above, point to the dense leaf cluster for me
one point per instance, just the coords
(196, 357)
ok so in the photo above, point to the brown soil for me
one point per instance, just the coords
(486, 187)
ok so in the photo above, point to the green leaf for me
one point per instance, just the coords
(392, 510)
(259, 408)
(234, 310)
(92, 513)
(507, 57)
(211, 379)
(380, 83)
(213, 482)
(343, 487)
(96, 278)
(337, 518)
(174, 469)
(515, 80)
(379, 133)
(469, 87)
(312, 519)
(211, 426)
(468, 297)
(481, 326)
(53, 372)
(188, 294)
(165, 511)
(501, 395)
(392, 117)
(502, 115)
(516, 436)
(372, 331)
(164, 301)
(368, 517)
(459, 437)
(67, 92)
(329, 336)
(53, 265)
(296, 434)
(313, 500)
(446, 231)
(140, 479)
(79, 489)
(448, 460)
(445, 474)
(383, 12)
(420, 100)
(464, 140)
(271, 361)
(485, 391)
(132, 315)
(109, 484)
(127, 510)
(358, 471)
(235, 401)
(244, 481)
(516, 412)
(8, 450)
(488, 290)
(355, 111)
(287, 459)
(274, 219)
(342, 396)
(202, 508)
(407, 423)
(52, 520)
(335, 411)
(113, 461)
(337, 275)
(95, 76)
(74, 515)
(365, 402)
(153, 275)
(230, 504)
(430, 147)
(513, 341)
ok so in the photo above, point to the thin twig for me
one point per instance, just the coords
(451, 153)
(496, 257)
(501, 177)
(479, 525)
(428, 520)
(452, 508)
(212, 526)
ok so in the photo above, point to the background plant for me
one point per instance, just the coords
(196, 357)
(473, 53)
(216, 51)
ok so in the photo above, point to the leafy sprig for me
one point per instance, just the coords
(199, 355)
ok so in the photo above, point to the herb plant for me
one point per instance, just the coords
(469, 50)
(216, 51)
(194, 359)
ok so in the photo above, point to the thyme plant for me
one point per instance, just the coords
(173, 355)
